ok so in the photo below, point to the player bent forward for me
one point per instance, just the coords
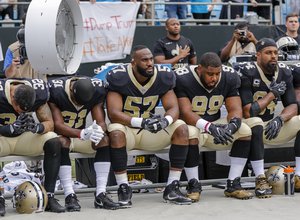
(21, 135)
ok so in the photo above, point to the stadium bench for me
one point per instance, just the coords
(74, 155)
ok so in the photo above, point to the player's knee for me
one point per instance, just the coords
(181, 134)
(104, 142)
(117, 139)
(193, 141)
(65, 142)
(52, 147)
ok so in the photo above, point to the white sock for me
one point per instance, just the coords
(191, 173)
(102, 171)
(297, 171)
(173, 175)
(258, 167)
(236, 167)
(65, 176)
(121, 178)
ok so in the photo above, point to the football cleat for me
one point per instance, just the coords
(102, 201)
(262, 187)
(235, 190)
(124, 195)
(194, 190)
(172, 194)
(297, 183)
(71, 203)
(2, 206)
(53, 205)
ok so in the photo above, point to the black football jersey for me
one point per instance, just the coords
(206, 103)
(138, 100)
(74, 115)
(296, 74)
(170, 48)
(7, 113)
(255, 85)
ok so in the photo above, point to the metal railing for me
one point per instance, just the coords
(229, 20)
(153, 20)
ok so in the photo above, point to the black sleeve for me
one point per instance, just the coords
(192, 50)
(158, 48)
(289, 97)
(246, 91)
(296, 77)
(234, 83)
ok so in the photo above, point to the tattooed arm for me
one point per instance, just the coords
(43, 113)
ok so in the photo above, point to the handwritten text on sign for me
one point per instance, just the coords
(108, 30)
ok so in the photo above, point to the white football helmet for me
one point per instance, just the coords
(30, 197)
(275, 178)
(289, 48)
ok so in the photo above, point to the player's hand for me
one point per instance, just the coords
(86, 133)
(19, 126)
(220, 134)
(184, 52)
(150, 124)
(233, 125)
(277, 89)
(32, 126)
(273, 127)
(155, 123)
(97, 133)
(36, 128)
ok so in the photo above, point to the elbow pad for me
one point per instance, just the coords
(254, 109)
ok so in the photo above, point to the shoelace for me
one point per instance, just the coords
(70, 198)
(105, 197)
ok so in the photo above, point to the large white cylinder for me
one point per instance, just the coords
(54, 36)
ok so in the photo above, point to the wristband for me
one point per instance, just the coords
(169, 119)
(203, 124)
(40, 128)
(136, 122)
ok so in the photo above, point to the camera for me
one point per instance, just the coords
(242, 33)
(22, 49)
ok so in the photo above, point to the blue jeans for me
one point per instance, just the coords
(176, 11)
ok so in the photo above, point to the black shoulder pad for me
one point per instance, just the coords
(167, 75)
(117, 77)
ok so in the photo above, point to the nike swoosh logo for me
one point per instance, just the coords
(171, 198)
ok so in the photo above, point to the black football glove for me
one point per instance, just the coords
(32, 126)
(273, 128)
(221, 135)
(19, 126)
(277, 89)
(234, 125)
(155, 124)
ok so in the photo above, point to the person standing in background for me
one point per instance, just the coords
(176, 10)
(174, 48)
(236, 10)
(202, 11)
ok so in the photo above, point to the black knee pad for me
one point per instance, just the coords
(193, 156)
(257, 148)
(118, 159)
(65, 157)
(297, 145)
(178, 154)
(102, 154)
(52, 148)
(240, 148)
